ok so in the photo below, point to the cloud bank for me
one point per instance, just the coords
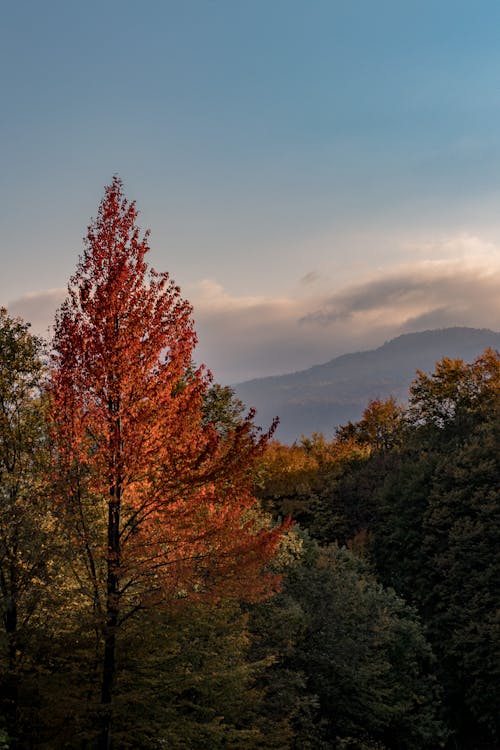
(245, 337)
(266, 336)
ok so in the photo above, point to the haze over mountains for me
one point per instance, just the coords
(324, 396)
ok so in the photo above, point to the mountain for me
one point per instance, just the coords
(325, 396)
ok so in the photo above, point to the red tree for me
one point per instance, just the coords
(157, 502)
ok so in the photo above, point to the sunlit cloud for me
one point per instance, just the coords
(246, 336)
(448, 292)
(250, 337)
(468, 249)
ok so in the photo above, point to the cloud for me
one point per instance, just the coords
(310, 278)
(248, 337)
(38, 308)
(241, 337)
(467, 248)
(441, 293)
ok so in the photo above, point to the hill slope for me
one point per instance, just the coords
(324, 396)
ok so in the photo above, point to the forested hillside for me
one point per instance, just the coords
(171, 577)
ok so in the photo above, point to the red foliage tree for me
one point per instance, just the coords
(157, 502)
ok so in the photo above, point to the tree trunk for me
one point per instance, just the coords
(108, 679)
(112, 613)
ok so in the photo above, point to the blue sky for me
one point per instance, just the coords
(318, 176)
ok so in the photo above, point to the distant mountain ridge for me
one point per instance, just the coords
(322, 397)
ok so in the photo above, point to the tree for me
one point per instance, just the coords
(156, 500)
(360, 651)
(188, 682)
(453, 393)
(25, 526)
(380, 427)
(223, 409)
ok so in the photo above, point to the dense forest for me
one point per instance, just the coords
(171, 577)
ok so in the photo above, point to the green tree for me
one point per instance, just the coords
(185, 681)
(222, 409)
(25, 523)
(355, 664)
(450, 398)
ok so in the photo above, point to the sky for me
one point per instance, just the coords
(318, 176)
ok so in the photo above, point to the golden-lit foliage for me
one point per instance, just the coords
(454, 388)
(291, 478)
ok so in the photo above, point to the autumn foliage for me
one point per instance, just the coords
(127, 406)
(157, 501)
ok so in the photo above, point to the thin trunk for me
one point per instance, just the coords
(112, 613)
(113, 582)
